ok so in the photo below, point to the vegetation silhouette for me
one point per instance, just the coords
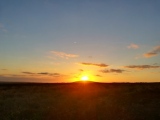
(80, 101)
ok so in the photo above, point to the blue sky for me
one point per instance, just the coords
(57, 36)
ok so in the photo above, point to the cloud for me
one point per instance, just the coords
(133, 46)
(152, 53)
(14, 75)
(4, 69)
(81, 70)
(30, 73)
(98, 75)
(50, 74)
(64, 55)
(95, 64)
(112, 71)
(56, 74)
(2, 27)
(42, 73)
(141, 67)
(20, 78)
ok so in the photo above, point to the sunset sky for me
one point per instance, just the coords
(64, 40)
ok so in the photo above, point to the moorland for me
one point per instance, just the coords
(80, 101)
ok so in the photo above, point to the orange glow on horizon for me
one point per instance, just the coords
(84, 76)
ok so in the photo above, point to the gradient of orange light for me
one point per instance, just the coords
(89, 77)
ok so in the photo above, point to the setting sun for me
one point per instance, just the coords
(84, 78)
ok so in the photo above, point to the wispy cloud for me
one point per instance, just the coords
(95, 64)
(50, 74)
(42, 73)
(16, 75)
(12, 75)
(112, 71)
(64, 55)
(2, 27)
(141, 67)
(98, 75)
(30, 73)
(4, 69)
(152, 53)
(133, 46)
(81, 70)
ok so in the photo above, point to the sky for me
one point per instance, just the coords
(64, 40)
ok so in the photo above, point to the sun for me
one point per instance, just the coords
(84, 78)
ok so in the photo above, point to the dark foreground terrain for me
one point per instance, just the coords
(80, 101)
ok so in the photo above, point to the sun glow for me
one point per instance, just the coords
(84, 78)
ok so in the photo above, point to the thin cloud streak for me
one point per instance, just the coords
(112, 71)
(64, 55)
(30, 73)
(153, 53)
(50, 74)
(95, 64)
(4, 69)
(98, 75)
(141, 67)
(81, 70)
(133, 46)
(43, 73)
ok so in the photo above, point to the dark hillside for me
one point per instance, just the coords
(80, 101)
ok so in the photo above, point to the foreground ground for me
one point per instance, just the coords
(80, 101)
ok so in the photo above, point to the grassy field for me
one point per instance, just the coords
(80, 101)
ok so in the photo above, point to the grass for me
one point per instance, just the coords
(80, 101)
